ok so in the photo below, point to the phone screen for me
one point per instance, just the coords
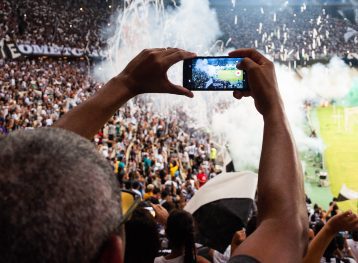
(214, 73)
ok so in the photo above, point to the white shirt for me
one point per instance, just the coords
(354, 246)
(222, 258)
(162, 259)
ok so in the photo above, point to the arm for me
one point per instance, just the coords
(146, 73)
(342, 222)
(282, 214)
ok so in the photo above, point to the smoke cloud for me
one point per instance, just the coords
(193, 26)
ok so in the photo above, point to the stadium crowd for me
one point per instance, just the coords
(290, 32)
(160, 158)
(73, 23)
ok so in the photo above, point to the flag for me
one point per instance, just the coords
(347, 194)
(221, 207)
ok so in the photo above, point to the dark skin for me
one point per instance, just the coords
(146, 73)
(281, 235)
(346, 221)
(281, 200)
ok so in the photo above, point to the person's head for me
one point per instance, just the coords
(156, 192)
(59, 199)
(142, 238)
(150, 188)
(136, 185)
(318, 226)
(180, 233)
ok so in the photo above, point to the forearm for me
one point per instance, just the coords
(90, 116)
(318, 245)
(280, 188)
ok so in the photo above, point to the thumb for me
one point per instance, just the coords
(179, 90)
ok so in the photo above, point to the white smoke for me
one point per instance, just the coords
(193, 26)
(147, 24)
(204, 66)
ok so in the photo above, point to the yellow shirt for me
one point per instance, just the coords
(173, 169)
(212, 153)
(116, 167)
(148, 195)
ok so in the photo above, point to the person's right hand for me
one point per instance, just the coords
(147, 72)
(346, 221)
(262, 81)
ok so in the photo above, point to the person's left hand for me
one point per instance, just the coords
(346, 221)
(147, 72)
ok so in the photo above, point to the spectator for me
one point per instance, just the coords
(180, 233)
(353, 244)
(142, 238)
(324, 245)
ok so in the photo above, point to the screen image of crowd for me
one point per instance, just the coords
(160, 157)
(217, 74)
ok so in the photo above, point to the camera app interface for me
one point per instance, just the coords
(217, 74)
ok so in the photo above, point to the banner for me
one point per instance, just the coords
(8, 50)
(15, 50)
(347, 194)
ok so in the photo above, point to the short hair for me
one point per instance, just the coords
(142, 237)
(59, 199)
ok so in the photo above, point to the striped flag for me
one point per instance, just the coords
(347, 194)
(221, 207)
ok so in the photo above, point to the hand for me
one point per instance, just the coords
(161, 214)
(262, 81)
(346, 221)
(237, 239)
(147, 72)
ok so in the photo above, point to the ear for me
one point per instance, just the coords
(113, 251)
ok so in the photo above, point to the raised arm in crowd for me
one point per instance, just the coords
(281, 199)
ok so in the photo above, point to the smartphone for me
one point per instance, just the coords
(214, 73)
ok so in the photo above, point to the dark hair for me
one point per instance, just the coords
(355, 235)
(135, 185)
(318, 226)
(156, 190)
(164, 194)
(142, 224)
(180, 232)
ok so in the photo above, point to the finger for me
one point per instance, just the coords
(239, 94)
(151, 50)
(250, 53)
(247, 64)
(177, 56)
(169, 50)
(179, 90)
